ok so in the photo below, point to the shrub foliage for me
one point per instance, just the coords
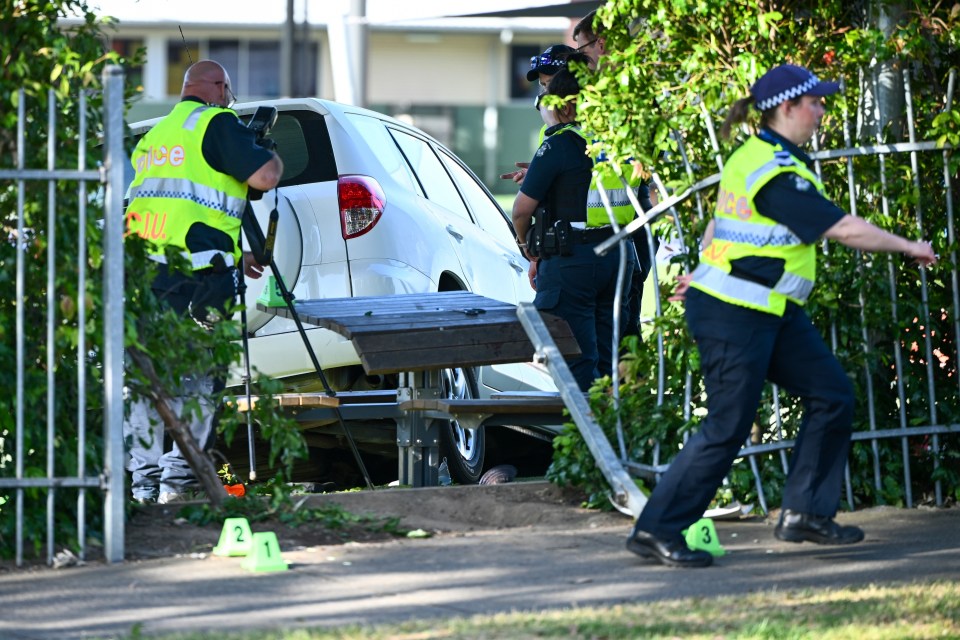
(675, 68)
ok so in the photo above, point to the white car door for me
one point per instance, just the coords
(489, 217)
(487, 265)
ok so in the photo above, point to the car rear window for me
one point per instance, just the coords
(304, 146)
(375, 134)
(435, 181)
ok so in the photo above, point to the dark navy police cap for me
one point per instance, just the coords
(550, 61)
(788, 81)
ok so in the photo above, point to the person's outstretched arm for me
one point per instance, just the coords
(857, 233)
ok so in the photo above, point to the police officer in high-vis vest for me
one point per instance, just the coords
(588, 33)
(744, 307)
(571, 280)
(193, 169)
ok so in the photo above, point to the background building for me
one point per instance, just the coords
(463, 80)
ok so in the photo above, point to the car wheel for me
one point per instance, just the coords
(462, 447)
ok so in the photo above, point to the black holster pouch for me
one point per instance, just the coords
(216, 288)
(547, 238)
(556, 240)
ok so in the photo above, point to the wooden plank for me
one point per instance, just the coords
(416, 332)
(442, 338)
(288, 400)
(320, 399)
(376, 362)
(453, 301)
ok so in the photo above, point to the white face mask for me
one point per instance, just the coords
(548, 115)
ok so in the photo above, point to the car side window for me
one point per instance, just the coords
(288, 135)
(434, 179)
(375, 135)
(303, 144)
(487, 212)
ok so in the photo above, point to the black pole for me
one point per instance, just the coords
(255, 235)
(241, 292)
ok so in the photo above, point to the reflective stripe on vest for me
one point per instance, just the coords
(777, 235)
(184, 189)
(756, 295)
(198, 260)
(740, 231)
(175, 188)
(623, 211)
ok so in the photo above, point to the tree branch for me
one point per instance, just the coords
(199, 461)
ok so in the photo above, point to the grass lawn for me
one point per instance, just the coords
(873, 612)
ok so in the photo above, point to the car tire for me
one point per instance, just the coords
(463, 448)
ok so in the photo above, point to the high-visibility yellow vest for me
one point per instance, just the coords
(741, 231)
(541, 135)
(175, 188)
(623, 209)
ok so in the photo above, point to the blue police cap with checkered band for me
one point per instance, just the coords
(788, 81)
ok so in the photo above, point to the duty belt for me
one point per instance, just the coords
(591, 235)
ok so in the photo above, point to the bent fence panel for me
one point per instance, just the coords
(906, 372)
(30, 254)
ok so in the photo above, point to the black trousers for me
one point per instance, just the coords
(739, 350)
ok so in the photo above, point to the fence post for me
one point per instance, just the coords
(113, 164)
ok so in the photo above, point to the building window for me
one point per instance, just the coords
(520, 56)
(179, 56)
(264, 69)
(128, 47)
(253, 66)
(227, 53)
(304, 82)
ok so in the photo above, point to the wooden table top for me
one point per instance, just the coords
(423, 331)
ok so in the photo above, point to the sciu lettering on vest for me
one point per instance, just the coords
(729, 204)
(147, 225)
(716, 249)
(159, 156)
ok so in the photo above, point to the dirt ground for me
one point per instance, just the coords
(160, 530)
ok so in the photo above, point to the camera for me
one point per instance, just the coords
(261, 123)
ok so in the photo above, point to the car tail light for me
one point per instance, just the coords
(361, 204)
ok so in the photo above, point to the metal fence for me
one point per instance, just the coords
(907, 426)
(110, 477)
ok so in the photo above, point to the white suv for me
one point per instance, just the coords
(371, 206)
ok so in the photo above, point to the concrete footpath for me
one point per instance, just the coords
(461, 574)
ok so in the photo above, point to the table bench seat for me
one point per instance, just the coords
(475, 413)
(321, 399)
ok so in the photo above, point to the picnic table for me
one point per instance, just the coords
(417, 336)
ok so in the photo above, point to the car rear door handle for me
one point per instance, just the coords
(513, 263)
(453, 231)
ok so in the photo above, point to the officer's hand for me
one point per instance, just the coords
(680, 293)
(251, 268)
(532, 273)
(518, 175)
(922, 253)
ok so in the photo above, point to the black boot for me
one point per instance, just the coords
(803, 527)
(671, 552)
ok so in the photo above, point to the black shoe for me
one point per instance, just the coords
(673, 553)
(803, 527)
